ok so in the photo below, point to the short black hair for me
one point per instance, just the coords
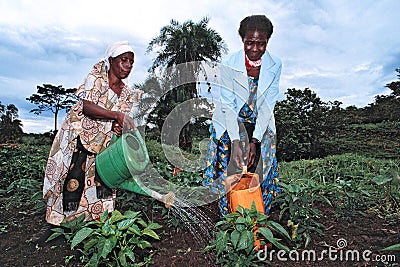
(256, 22)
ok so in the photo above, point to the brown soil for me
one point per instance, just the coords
(24, 242)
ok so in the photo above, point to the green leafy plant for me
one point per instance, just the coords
(350, 183)
(297, 202)
(351, 199)
(392, 247)
(127, 201)
(113, 240)
(388, 185)
(22, 172)
(234, 238)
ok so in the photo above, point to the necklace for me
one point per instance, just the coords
(252, 64)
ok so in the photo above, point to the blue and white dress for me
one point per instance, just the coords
(219, 151)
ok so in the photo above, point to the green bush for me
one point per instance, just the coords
(234, 238)
(113, 240)
(297, 203)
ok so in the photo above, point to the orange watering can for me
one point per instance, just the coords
(243, 190)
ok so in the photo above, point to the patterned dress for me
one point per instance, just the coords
(71, 184)
(219, 151)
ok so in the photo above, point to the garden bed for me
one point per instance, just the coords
(23, 242)
(362, 213)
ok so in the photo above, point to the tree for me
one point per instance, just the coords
(146, 111)
(385, 107)
(395, 86)
(53, 98)
(10, 125)
(178, 44)
(302, 123)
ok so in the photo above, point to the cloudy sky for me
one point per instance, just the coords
(343, 50)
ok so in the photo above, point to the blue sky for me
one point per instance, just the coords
(343, 50)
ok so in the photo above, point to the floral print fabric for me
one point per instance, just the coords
(94, 136)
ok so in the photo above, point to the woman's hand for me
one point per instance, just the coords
(120, 120)
(237, 154)
(251, 151)
(123, 121)
(117, 128)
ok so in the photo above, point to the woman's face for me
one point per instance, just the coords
(255, 44)
(122, 65)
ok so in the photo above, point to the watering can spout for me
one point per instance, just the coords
(132, 185)
(168, 199)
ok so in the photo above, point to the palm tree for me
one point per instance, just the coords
(181, 43)
(178, 44)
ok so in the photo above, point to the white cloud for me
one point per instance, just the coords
(38, 126)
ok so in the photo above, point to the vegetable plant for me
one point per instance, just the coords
(235, 235)
(113, 240)
(297, 203)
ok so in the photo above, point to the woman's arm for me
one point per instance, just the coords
(94, 111)
(266, 103)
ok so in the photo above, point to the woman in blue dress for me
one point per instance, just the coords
(243, 128)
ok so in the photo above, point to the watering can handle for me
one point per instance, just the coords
(244, 170)
(136, 132)
(235, 181)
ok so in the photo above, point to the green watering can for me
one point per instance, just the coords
(122, 161)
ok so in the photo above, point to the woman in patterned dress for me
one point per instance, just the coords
(243, 127)
(72, 186)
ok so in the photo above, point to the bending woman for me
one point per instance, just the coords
(243, 128)
(72, 186)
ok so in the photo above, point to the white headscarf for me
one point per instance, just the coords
(116, 49)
